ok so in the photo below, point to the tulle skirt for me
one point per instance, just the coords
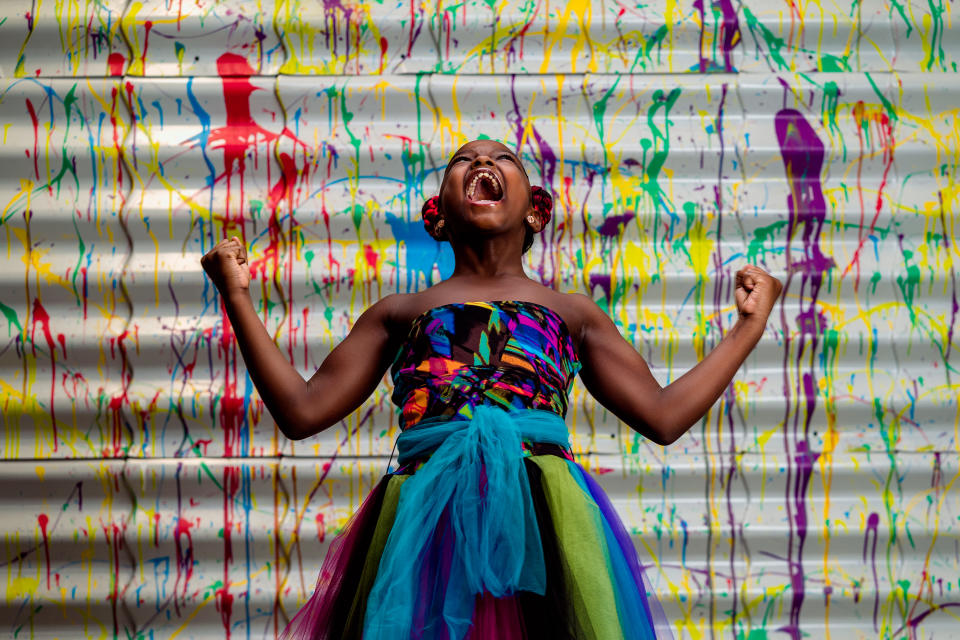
(591, 585)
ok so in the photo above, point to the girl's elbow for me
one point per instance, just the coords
(297, 427)
(661, 439)
(661, 434)
(291, 430)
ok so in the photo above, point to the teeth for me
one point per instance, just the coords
(483, 175)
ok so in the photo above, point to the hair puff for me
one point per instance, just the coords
(542, 204)
(431, 214)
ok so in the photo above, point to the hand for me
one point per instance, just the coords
(226, 264)
(756, 293)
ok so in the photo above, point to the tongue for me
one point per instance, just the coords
(486, 191)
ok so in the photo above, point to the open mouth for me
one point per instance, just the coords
(483, 187)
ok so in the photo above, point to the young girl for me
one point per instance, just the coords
(488, 529)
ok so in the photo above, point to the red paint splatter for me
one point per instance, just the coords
(116, 63)
(43, 521)
(383, 53)
(147, 26)
(241, 132)
(117, 402)
(447, 28)
(413, 23)
(884, 135)
(40, 315)
(306, 312)
(83, 275)
(203, 444)
(184, 560)
(114, 535)
(231, 484)
(321, 527)
(371, 256)
(36, 140)
(129, 87)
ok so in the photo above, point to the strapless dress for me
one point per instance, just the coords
(488, 528)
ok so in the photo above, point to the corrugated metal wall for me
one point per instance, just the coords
(147, 494)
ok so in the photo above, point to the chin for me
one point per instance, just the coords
(485, 204)
(486, 217)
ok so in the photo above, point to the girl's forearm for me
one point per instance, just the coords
(683, 402)
(280, 386)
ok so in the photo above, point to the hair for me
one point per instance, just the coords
(540, 198)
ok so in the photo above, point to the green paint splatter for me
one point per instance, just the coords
(600, 110)
(763, 235)
(832, 63)
(909, 282)
(643, 53)
(328, 316)
(356, 212)
(887, 105)
(11, 317)
(775, 45)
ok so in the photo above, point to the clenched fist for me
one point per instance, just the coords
(756, 293)
(227, 266)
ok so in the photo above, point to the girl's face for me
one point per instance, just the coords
(485, 190)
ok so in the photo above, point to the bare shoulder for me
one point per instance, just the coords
(397, 311)
(390, 310)
(580, 313)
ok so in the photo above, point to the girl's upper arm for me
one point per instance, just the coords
(352, 371)
(615, 374)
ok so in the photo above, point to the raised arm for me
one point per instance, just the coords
(347, 376)
(619, 378)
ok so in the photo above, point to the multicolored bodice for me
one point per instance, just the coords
(508, 354)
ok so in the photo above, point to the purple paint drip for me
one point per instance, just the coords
(603, 281)
(546, 162)
(954, 306)
(802, 152)
(719, 301)
(729, 36)
(873, 521)
(613, 226)
(729, 32)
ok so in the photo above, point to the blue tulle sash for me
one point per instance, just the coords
(475, 484)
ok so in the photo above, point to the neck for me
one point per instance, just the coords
(488, 258)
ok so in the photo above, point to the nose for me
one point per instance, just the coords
(482, 160)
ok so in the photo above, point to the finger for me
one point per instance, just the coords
(740, 276)
(741, 295)
(236, 246)
(760, 273)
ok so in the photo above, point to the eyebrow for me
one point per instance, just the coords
(512, 155)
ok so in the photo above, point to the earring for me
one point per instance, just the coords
(439, 227)
(531, 220)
